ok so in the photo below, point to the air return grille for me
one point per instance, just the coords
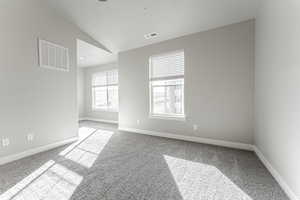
(53, 56)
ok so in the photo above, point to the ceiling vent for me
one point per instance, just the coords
(151, 35)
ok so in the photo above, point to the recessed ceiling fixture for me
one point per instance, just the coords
(102, 0)
(151, 35)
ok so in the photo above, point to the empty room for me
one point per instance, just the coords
(150, 100)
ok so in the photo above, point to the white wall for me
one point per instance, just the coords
(88, 110)
(33, 99)
(81, 92)
(219, 83)
(277, 86)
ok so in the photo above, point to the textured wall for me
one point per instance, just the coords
(81, 92)
(219, 83)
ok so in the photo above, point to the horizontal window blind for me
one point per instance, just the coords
(166, 82)
(167, 66)
(106, 78)
(105, 90)
(99, 79)
(112, 77)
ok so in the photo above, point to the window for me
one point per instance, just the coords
(105, 91)
(166, 82)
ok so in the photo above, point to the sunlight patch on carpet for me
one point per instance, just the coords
(50, 181)
(87, 151)
(201, 181)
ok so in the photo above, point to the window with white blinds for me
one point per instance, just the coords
(105, 91)
(167, 85)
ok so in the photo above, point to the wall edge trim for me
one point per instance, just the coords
(223, 143)
(236, 145)
(98, 120)
(286, 188)
(33, 151)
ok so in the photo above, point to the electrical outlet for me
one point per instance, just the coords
(138, 122)
(195, 127)
(5, 142)
(30, 137)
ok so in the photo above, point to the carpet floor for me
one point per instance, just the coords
(106, 164)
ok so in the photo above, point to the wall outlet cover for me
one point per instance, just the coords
(195, 127)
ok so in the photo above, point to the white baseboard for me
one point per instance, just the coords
(30, 152)
(235, 145)
(276, 175)
(81, 119)
(98, 120)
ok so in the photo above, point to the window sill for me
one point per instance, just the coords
(168, 117)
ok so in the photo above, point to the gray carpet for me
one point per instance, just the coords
(110, 165)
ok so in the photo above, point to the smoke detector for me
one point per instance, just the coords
(151, 35)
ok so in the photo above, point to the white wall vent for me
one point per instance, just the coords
(53, 56)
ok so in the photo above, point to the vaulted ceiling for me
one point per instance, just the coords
(121, 24)
(89, 55)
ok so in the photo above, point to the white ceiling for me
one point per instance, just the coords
(89, 55)
(121, 24)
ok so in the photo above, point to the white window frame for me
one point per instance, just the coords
(94, 108)
(166, 116)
